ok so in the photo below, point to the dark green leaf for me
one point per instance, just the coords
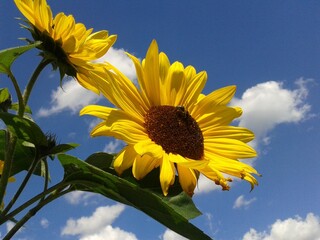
(22, 158)
(24, 129)
(8, 56)
(172, 211)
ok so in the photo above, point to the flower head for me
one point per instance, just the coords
(67, 44)
(168, 123)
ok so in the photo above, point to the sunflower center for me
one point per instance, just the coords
(175, 130)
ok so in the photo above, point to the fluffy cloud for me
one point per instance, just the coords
(44, 223)
(269, 104)
(77, 197)
(113, 146)
(291, 228)
(110, 233)
(241, 202)
(98, 225)
(171, 235)
(72, 96)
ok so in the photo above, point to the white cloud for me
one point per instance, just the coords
(44, 223)
(268, 104)
(77, 197)
(113, 146)
(291, 228)
(72, 96)
(119, 59)
(110, 233)
(171, 235)
(94, 224)
(241, 202)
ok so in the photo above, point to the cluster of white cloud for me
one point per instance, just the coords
(241, 202)
(269, 104)
(171, 235)
(72, 96)
(77, 197)
(98, 226)
(291, 228)
(113, 146)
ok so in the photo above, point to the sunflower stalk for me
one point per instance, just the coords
(31, 83)
(45, 198)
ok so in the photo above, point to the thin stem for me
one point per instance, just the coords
(59, 186)
(33, 80)
(32, 212)
(18, 92)
(8, 157)
(22, 186)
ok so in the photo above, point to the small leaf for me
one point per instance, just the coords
(8, 56)
(24, 129)
(174, 212)
(4, 94)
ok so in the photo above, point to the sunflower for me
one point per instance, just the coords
(68, 45)
(168, 123)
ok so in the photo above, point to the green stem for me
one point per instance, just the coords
(32, 212)
(18, 92)
(22, 186)
(8, 157)
(58, 188)
(33, 80)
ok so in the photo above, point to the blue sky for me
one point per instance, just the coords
(269, 49)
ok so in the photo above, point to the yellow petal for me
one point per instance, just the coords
(239, 133)
(167, 174)
(149, 147)
(124, 159)
(142, 165)
(188, 179)
(186, 162)
(221, 96)
(230, 148)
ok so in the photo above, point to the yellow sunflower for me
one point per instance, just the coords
(168, 123)
(11, 179)
(67, 44)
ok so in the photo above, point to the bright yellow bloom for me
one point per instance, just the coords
(69, 45)
(11, 179)
(168, 123)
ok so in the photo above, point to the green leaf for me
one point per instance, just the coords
(24, 129)
(15, 107)
(8, 56)
(4, 94)
(172, 211)
(22, 158)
